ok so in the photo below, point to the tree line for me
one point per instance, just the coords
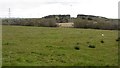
(81, 21)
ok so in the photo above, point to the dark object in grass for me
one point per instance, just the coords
(102, 41)
(87, 42)
(90, 37)
(77, 43)
(76, 48)
(32, 52)
(117, 40)
(107, 65)
(6, 43)
(61, 40)
(91, 46)
(28, 61)
(48, 46)
(62, 61)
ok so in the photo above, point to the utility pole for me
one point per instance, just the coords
(71, 13)
(9, 13)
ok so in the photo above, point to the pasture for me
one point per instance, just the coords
(49, 46)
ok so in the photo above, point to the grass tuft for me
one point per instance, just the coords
(91, 46)
(77, 48)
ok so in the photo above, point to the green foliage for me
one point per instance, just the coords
(51, 22)
(81, 23)
(59, 18)
(95, 24)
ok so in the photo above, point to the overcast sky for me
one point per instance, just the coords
(40, 8)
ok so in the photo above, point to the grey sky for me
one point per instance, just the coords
(40, 8)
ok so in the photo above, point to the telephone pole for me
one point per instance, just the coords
(9, 16)
(9, 13)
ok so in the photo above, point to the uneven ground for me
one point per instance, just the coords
(45, 46)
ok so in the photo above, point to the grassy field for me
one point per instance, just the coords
(0, 44)
(45, 46)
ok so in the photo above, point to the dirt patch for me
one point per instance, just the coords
(65, 24)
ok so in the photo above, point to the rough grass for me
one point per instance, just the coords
(44, 46)
(0, 44)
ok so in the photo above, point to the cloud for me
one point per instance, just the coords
(39, 8)
(62, 2)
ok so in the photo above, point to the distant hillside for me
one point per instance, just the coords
(81, 21)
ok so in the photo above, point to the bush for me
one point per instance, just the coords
(80, 23)
(50, 22)
(95, 24)
(90, 19)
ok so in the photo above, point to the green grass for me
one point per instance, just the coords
(0, 44)
(45, 46)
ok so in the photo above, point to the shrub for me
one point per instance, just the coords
(95, 24)
(80, 23)
(90, 19)
(49, 22)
